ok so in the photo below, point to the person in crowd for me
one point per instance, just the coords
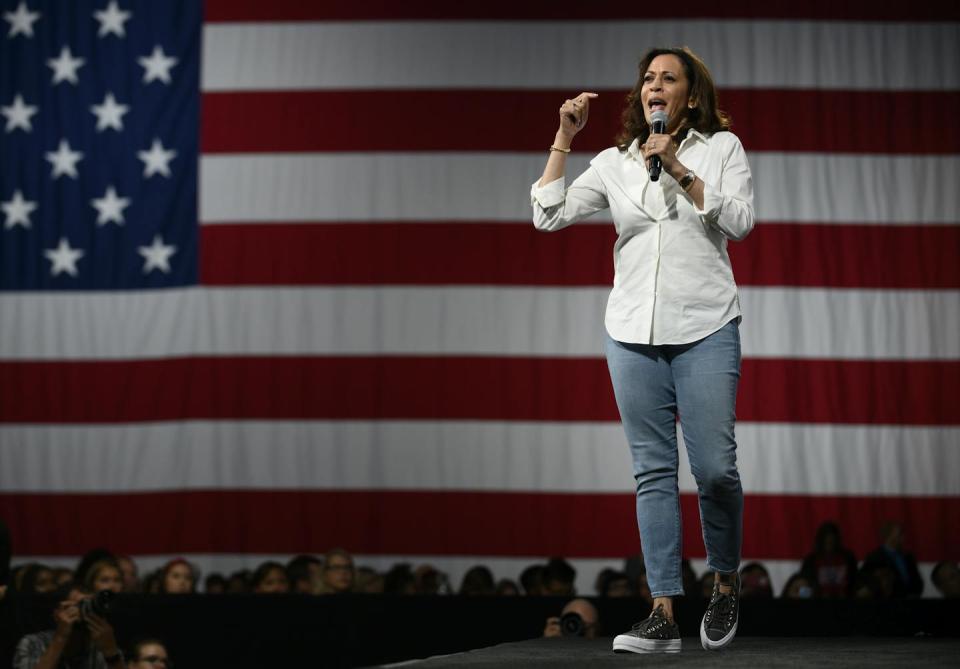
(399, 580)
(239, 582)
(431, 581)
(37, 579)
(177, 578)
(130, 573)
(531, 579)
(873, 584)
(946, 579)
(77, 640)
(369, 581)
(907, 581)
(799, 586)
(214, 584)
(104, 575)
(270, 578)
(755, 582)
(507, 588)
(89, 559)
(478, 581)
(148, 653)
(617, 584)
(831, 566)
(578, 617)
(673, 317)
(304, 573)
(338, 573)
(559, 577)
(62, 576)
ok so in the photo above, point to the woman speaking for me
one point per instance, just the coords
(678, 186)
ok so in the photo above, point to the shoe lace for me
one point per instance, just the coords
(720, 608)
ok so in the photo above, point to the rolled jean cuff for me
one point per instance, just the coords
(668, 593)
(710, 567)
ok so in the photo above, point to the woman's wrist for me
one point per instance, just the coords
(677, 170)
(562, 141)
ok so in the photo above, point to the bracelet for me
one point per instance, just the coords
(557, 148)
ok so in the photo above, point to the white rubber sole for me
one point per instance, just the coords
(628, 643)
(717, 645)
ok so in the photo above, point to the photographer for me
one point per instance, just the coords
(578, 618)
(82, 638)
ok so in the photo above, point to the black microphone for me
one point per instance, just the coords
(658, 126)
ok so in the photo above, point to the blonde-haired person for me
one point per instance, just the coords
(672, 319)
(104, 575)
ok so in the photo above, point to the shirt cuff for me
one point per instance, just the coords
(549, 195)
(712, 202)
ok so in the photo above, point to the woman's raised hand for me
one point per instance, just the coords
(574, 113)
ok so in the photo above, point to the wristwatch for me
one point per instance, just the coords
(687, 179)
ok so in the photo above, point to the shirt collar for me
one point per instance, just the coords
(692, 135)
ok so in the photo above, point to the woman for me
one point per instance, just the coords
(672, 320)
(177, 578)
(270, 578)
(104, 575)
(831, 566)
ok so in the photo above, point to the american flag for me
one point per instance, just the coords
(270, 285)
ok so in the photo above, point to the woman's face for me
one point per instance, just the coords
(151, 655)
(179, 580)
(338, 573)
(275, 581)
(665, 87)
(108, 578)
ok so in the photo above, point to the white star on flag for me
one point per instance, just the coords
(64, 160)
(65, 66)
(18, 114)
(21, 21)
(17, 210)
(156, 160)
(109, 114)
(157, 255)
(111, 20)
(110, 207)
(157, 66)
(63, 258)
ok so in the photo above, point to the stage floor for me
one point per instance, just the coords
(747, 651)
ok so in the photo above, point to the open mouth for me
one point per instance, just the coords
(657, 104)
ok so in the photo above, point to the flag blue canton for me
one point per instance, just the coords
(99, 143)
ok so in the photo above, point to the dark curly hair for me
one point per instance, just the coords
(704, 116)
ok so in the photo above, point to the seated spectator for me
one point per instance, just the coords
(130, 573)
(636, 569)
(617, 584)
(506, 588)
(104, 575)
(478, 581)
(37, 579)
(76, 641)
(369, 581)
(148, 653)
(150, 583)
(830, 566)
(239, 582)
(89, 559)
(177, 578)
(559, 577)
(578, 618)
(62, 576)
(399, 580)
(304, 572)
(532, 580)
(755, 582)
(430, 581)
(270, 578)
(890, 553)
(799, 586)
(215, 584)
(338, 572)
(946, 578)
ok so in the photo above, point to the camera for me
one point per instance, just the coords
(571, 624)
(98, 605)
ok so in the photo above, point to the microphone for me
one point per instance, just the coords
(658, 126)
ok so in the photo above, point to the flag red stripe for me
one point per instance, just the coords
(444, 523)
(288, 121)
(298, 10)
(559, 389)
(781, 254)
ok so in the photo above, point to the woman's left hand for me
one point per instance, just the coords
(660, 145)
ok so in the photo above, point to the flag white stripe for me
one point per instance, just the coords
(514, 321)
(459, 456)
(523, 54)
(343, 187)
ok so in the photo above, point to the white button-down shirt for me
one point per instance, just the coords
(673, 282)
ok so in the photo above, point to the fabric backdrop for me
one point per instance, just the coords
(327, 320)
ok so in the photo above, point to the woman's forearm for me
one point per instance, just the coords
(557, 161)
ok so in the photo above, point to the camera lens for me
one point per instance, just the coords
(571, 624)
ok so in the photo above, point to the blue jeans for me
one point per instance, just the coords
(698, 381)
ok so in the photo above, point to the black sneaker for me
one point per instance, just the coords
(719, 624)
(655, 634)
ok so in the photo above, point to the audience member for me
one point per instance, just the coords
(399, 580)
(430, 581)
(77, 641)
(104, 575)
(130, 573)
(799, 586)
(507, 588)
(868, 586)
(531, 579)
(636, 569)
(559, 577)
(617, 584)
(270, 578)
(89, 559)
(755, 582)
(177, 578)
(338, 572)
(578, 618)
(304, 573)
(831, 566)
(890, 553)
(215, 584)
(239, 582)
(148, 653)
(478, 581)
(62, 576)
(368, 580)
(946, 578)
(37, 579)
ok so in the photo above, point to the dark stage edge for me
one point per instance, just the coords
(744, 652)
